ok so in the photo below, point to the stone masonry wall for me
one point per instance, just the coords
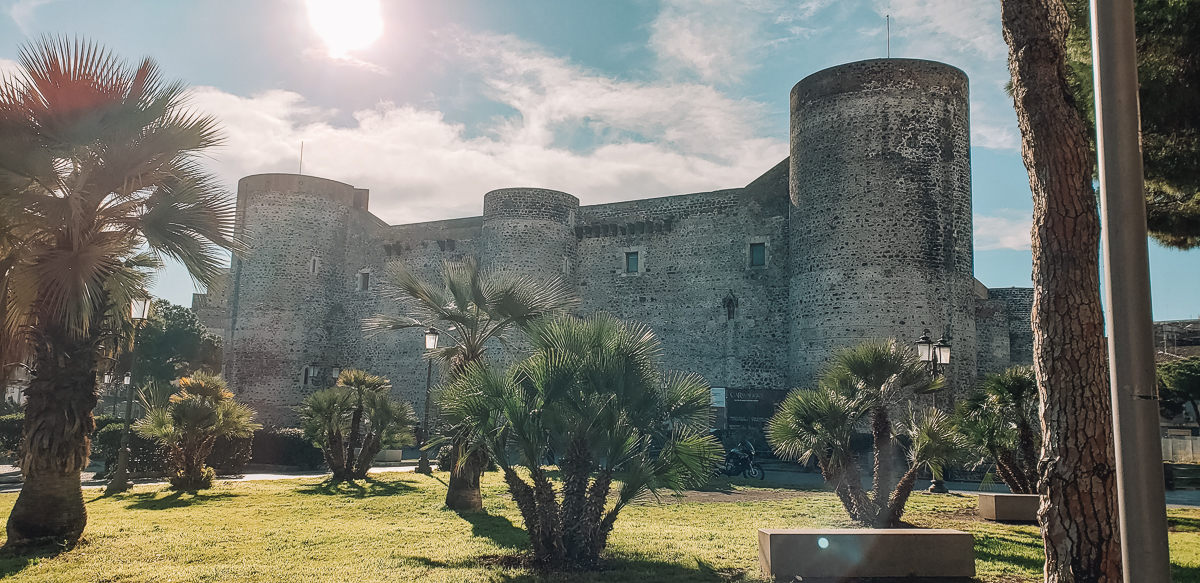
(881, 219)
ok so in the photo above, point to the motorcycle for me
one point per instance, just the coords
(740, 462)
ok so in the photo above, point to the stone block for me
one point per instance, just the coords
(785, 554)
(1009, 507)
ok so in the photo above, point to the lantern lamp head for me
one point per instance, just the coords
(431, 339)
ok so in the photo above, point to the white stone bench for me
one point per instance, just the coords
(1009, 507)
(784, 554)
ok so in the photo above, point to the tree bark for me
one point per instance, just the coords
(56, 446)
(900, 497)
(1078, 514)
(462, 492)
(881, 433)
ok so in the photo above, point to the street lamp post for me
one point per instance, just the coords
(936, 356)
(431, 341)
(139, 311)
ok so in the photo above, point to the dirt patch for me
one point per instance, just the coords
(693, 496)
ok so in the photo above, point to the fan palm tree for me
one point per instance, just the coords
(334, 417)
(97, 160)
(189, 425)
(592, 389)
(864, 381)
(474, 309)
(1000, 421)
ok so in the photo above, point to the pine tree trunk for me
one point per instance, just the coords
(1078, 488)
(56, 446)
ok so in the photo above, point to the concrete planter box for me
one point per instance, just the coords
(784, 554)
(1009, 507)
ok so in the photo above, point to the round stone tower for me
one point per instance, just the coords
(286, 303)
(880, 183)
(531, 230)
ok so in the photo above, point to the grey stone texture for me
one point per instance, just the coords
(865, 228)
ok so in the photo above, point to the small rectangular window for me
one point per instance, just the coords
(631, 262)
(364, 280)
(310, 375)
(313, 266)
(758, 254)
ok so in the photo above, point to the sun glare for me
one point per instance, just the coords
(346, 25)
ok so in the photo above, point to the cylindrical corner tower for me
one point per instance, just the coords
(285, 305)
(881, 212)
(530, 230)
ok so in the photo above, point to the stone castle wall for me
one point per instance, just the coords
(865, 231)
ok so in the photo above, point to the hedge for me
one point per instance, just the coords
(285, 447)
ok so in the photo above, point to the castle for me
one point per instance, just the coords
(863, 231)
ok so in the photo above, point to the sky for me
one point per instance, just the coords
(432, 103)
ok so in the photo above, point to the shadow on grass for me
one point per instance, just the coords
(983, 553)
(15, 560)
(1179, 574)
(367, 489)
(498, 529)
(627, 570)
(176, 499)
(1183, 524)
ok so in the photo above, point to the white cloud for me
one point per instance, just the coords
(8, 67)
(641, 139)
(719, 41)
(1007, 229)
(22, 13)
(945, 29)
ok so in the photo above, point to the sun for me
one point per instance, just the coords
(346, 25)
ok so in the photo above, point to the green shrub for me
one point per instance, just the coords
(231, 454)
(145, 455)
(12, 428)
(285, 447)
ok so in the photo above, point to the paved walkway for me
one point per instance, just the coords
(777, 472)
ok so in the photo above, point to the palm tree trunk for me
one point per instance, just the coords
(881, 435)
(523, 495)
(900, 496)
(576, 468)
(335, 454)
(354, 441)
(1078, 515)
(847, 484)
(549, 518)
(1027, 447)
(370, 448)
(1012, 473)
(55, 448)
(594, 518)
(462, 493)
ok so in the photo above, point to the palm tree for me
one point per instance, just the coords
(593, 390)
(189, 425)
(474, 308)
(97, 160)
(334, 417)
(864, 381)
(1000, 422)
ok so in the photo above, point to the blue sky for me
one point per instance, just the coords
(608, 101)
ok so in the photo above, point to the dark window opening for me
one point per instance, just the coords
(364, 281)
(631, 262)
(758, 254)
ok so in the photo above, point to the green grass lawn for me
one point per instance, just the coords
(396, 529)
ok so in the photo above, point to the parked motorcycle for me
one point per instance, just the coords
(740, 462)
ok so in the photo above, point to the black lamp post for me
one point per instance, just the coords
(139, 310)
(936, 356)
(431, 341)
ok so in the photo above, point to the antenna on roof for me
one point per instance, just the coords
(301, 157)
(888, 22)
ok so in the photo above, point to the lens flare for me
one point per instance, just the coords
(346, 25)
